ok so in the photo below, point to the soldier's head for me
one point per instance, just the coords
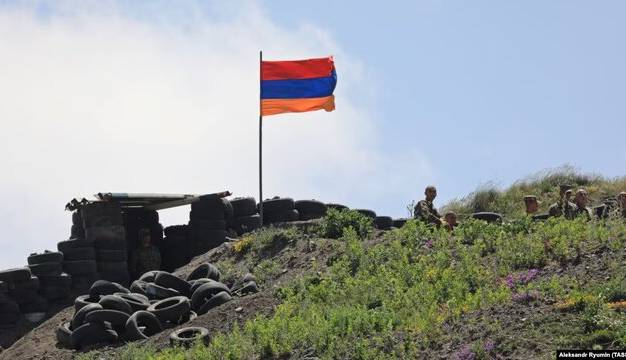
(430, 192)
(144, 238)
(621, 199)
(450, 218)
(532, 204)
(581, 198)
(564, 188)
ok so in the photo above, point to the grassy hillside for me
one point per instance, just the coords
(518, 290)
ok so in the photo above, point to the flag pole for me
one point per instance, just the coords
(260, 139)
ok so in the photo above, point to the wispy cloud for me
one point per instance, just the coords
(99, 98)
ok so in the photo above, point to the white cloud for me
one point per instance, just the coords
(95, 100)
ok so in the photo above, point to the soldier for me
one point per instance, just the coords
(581, 199)
(450, 220)
(532, 204)
(146, 257)
(563, 207)
(621, 203)
(425, 211)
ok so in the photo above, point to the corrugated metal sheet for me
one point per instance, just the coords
(145, 200)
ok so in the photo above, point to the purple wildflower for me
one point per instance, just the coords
(489, 346)
(429, 244)
(512, 280)
(465, 353)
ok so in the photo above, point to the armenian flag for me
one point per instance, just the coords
(297, 85)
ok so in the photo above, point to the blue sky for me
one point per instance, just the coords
(160, 96)
(489, 90)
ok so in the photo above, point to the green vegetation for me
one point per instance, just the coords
(417, 291)
(544, 185)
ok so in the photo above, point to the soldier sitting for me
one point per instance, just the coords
(581, 200)
(532, 204)
(450, 221)
(563, 207)
(424, 209)
(621, 203)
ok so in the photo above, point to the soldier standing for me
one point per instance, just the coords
(563, 207)
(146, 257)
(425, 211)
(532, 204)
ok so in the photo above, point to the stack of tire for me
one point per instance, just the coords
(310, 209)
(157, 301)
(175, 247)
(23, 289)
(398, 223)
(339, 207)
(208, 221)
(79, 261)
(246, 218)
(279, 210)
(104, 228)
(366, 212)
(136, 219)
(9, 310)
(54, 284)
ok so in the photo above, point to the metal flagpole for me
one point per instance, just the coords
(260, 139)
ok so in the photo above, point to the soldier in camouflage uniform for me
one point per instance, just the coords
(450, 221)
(563, 207)
(425, 211)
(621, 203)
(581, 199)
(146, 257)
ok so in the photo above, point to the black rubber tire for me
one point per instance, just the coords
(24, 296)
(369, 213)
(243, 206)
(37, 305)
(105, 287)
(84, 300)
(337, 206)
(111, 244)
(205, 292)
(211, 208)
(64, 335)
(281, 217)
(101, 214)
(176, 231)
(278, 205)
(306, 207)
(111, 255)
(206, 224)
(108, 267)
(79, 316)
(30, 284)
(383, 222)
(121, 277)
(539, 217)
(189, 336)
(249, 287)
(157, 292)
(135, 300)
(489, 217)
(9, 319)
(195, 284)
(83, 282)
(92, 333)
(83, 253)
(46, 257)
(398, 223)
(149, 276)
(310, 216)
(105, 233)
(141, 325)
(215, 301)
(80, 267)
(55, 293)
(66, 245)
(77, 232)
(116, 318)
(245, 224)
(15, 275)
(8, 306)
(172, 310)
(3, 287)
(139, 287)
(168, 280)
(48, 268)
(248, 277)
(63, 280)
(205, 270)
(113, 302)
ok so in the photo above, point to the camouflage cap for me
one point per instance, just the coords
(564, 187)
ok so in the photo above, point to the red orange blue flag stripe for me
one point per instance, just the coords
(297, 85)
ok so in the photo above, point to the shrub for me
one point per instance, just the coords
(336, 221)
